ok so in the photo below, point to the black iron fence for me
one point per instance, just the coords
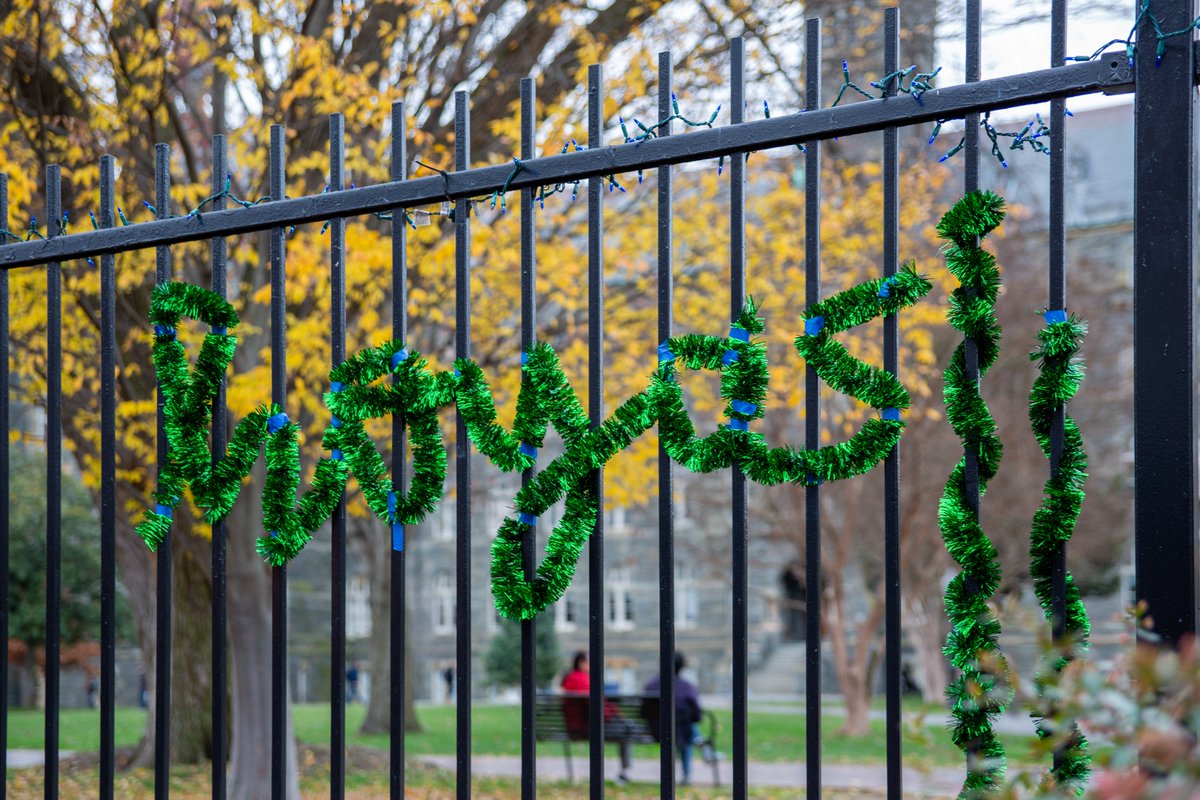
(1165, 467)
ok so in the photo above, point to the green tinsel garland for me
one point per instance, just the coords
(1060, 374)
(188, 413)
(546, 398)
(983, 689)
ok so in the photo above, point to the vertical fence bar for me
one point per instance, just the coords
(397, 667)
(596, 417)
(4, 504)
(891, 465)
(462, 451)
(108, 489)
(277, 179)
(53, 480)
(217, 252)
(1057, 299)
(737, 297)
(666, 474)
(812, 426)
(529, 539)
(1164, 393)
(1057, 287)
(337, 334)
(163, 604)
(971, 122)
(970, 345)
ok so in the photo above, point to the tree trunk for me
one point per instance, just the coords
(137, 573)
(924, 630)
(191, 592)
(376, 546)
(191, 647)
(250, 658)
(856, 693)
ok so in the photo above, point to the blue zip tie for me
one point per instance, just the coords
(885, 288)
(528, 450)
(165, 331)
(890, 413)
(398, 358)
(164, 511)
(337, 454)
(524, 357)
(397, 537)
(457, 374)
(335, 422)
(1056, 315)
(337, 386)
(742, 407)
(392, 507)
(741, 334)
(729, 357)
(664, 353)
(274, 535)
(218, 330)
(525, 518)
(736, 424)
(813, 325)
(276, 422)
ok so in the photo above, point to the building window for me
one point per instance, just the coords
(444, 605)
(616, 522)
(444, 523)
(566, 614)
(358, 608)
(687, 596)
(619, 600)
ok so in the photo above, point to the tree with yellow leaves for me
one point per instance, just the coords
(86, 83)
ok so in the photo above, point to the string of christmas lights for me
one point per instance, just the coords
(1035, 134)
(1130, 41)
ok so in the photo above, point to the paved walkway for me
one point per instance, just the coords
(938, 782)
(32, 758)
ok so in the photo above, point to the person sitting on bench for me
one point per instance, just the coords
(687, 718)
(579, 682)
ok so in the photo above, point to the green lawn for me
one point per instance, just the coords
(78, 728)
(773, 736)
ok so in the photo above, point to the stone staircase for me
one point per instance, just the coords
(783, 674)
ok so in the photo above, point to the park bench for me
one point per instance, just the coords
(628, 718)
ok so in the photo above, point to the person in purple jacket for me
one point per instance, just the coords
(687, 717)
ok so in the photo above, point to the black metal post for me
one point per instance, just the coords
(462, 451)
(891, 465)
(279, 700)
(53, 482)
(399, 333)
(218, 251)
(337, 332)
(529, 540)
(740, 555)
(666, 472)
(1164, 343)
(163, 591)
(108, 490)
(596, 610)
(812, 426)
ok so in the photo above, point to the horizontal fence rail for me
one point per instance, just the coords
(1110, 74)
